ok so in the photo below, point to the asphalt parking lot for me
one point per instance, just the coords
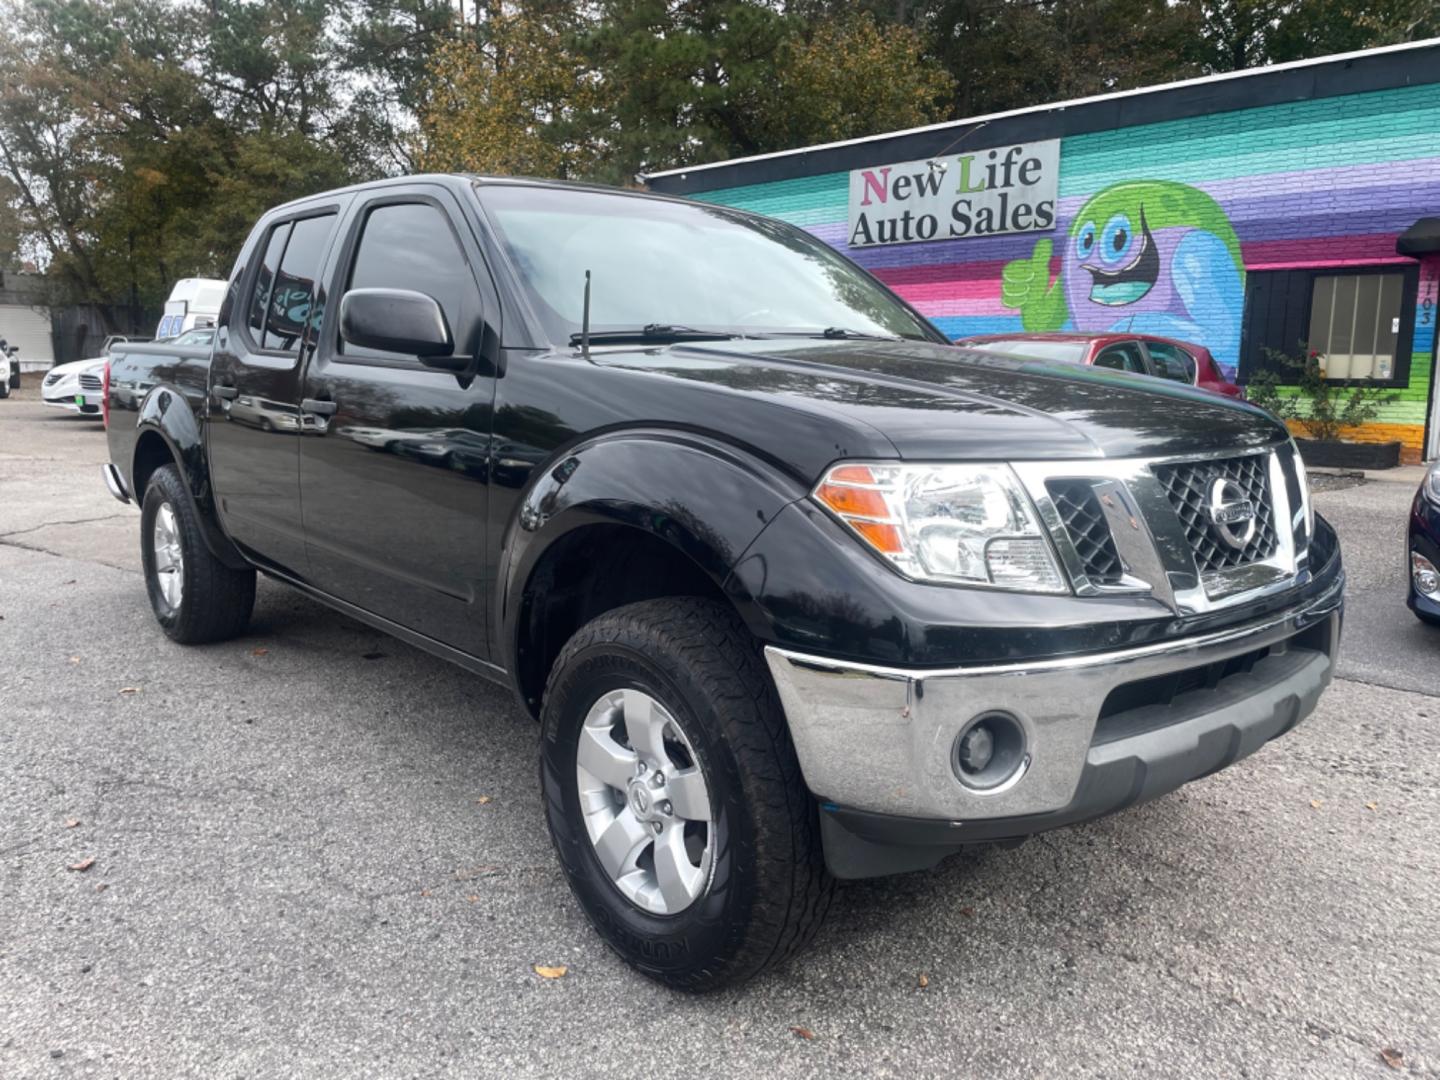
(319, 852)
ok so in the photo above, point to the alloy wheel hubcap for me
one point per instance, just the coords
(169, 557)
(645, 801)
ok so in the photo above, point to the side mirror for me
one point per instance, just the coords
(396, 320)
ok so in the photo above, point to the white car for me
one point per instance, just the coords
(74, 386)
(5, 370)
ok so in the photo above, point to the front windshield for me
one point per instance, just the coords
(671, 264)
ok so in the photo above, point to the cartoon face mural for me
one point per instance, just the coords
(1145, 257)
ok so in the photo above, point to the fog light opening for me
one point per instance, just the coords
(989, 752)
(1425, 576)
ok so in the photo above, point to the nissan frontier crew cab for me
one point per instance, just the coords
(796, 590)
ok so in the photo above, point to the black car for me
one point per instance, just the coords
(795, 589)
(1424, 549)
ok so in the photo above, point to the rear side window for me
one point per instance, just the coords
(1123, 357)
(283, 302)
(1172, 362)
(411, 246)
(265, 278)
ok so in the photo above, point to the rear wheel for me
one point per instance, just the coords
(196, 597)
(674, 797)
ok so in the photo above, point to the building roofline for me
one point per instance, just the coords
(973, 122)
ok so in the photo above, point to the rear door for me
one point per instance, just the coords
(394, 467)
(254, 422)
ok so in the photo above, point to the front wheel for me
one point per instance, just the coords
(196, 597)
(674, 797)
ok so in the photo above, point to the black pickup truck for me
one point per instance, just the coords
(795, 589)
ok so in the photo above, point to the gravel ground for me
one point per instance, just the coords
(319, 852)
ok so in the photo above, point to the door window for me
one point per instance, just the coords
(1123, 357)
(411, 246)
(265, 277)
(1172, 362)
(289, 309)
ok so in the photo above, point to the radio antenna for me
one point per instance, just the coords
(585, 320)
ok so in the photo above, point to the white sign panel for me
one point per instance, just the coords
(1006, 189)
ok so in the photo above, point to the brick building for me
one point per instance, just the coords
(1250, 211)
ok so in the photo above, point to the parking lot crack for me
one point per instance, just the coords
(48, 524)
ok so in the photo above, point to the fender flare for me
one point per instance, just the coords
(700, 495)
(167, 413)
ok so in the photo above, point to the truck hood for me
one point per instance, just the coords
(941, 402)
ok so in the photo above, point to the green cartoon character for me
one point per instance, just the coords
(1145, 257)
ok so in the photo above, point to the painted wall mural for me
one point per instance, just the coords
(1196, 204)
(1142, 256)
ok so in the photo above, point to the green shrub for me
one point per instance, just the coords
(1295, 388)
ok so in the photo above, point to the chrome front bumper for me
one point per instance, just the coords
(880, 740)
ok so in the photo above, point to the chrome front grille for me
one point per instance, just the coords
(1188, 484)
(1194, 533)
(1079, 508)
(90, 382)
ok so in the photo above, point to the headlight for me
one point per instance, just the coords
(1432, 481)
(1306, 500)
(967, 524)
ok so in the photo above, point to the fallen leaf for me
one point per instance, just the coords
(70, 582)
(83, 864)
(1316, 804)
(259, 650)
(924, 980)
(1392, 1057)
(424, 892)
(802, 1032)
(102, 886)
(473, 899)
(1372, 806)
(129, 689)
(70, 823)
(482, 800)
(74, 659)
(557, 972)
(968, 911)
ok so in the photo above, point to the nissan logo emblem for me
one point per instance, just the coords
(1230, 512)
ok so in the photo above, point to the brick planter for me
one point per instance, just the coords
(1337, 454)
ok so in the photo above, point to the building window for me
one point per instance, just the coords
(1355, 324)
(1361, 319)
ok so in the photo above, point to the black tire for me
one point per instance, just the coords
(215, 601)
(4, 388)
(768, 890)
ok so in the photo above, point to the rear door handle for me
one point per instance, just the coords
(318, 407)
(229, 393)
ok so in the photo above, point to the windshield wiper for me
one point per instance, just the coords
(655, 332)
(831, 333)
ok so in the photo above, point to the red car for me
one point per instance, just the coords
(1143, 354)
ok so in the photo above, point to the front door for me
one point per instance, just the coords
(254, 418)
(394, 471)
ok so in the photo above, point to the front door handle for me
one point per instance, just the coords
(229, 393)
(318, 407)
